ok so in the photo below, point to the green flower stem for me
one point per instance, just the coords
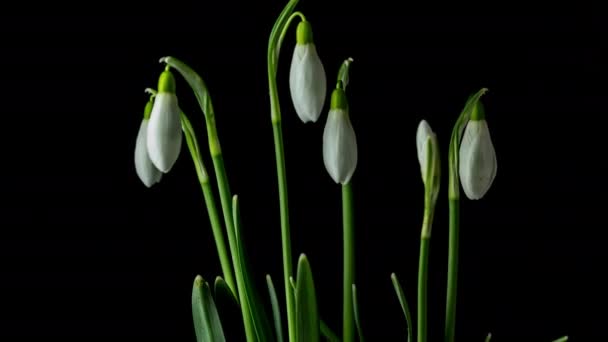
(287, 23)
(226, 200)
(348, 328)
(450, 317)
(204, 99)
(274, 47)
(454, 207)
(285, 231)
(214, 218)
(423, 276)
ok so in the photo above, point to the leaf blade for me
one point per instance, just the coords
(257, 315)
(207, 324)
(276, 310)
(404, 306)
(356, 314)
(307, 314)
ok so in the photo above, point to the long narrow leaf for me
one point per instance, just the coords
(222, 290)
(229, 310)
(276, 310)
(258, 315)
(307, 314)
(562, 339)
(356, 314)
(404, 306)
(207, 325)
(328, 333)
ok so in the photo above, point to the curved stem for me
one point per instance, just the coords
(275, 115)
(348, 328)
(283, 32)
(454, 198)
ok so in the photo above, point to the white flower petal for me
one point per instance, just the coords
(478, 164)
(146, 171)
(164, 139)
(339, 146)
(307, 82)
(423, 133)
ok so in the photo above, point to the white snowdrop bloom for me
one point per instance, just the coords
(164, 136)
(478, 165)
(425, 139)
(339, 140)
(307, 80)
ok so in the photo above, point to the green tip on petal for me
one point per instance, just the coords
(304, 32)
(478, 112)
(148, 109)
(338, 99)
(166, 82)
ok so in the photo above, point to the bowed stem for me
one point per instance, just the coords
(274, 46)
(454, 209)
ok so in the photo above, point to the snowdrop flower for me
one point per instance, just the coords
(164, 136)
(477, 156)
(425, 139)
(339, 140)
(307, 80)
(145, 169)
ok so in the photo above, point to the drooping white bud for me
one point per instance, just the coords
(145, 169)
(164, 139)
(478, 165)
(427, 139)
(339, 141)
(307, 80)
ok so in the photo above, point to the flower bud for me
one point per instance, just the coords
(339, 140)
(427, 146)
(164, 137)
(307, 80)
(477, 167)
(145, 169)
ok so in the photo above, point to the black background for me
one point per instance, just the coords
(87, 252)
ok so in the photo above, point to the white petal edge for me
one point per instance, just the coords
(145, 169)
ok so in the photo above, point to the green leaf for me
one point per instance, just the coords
(489, 337)
(222, 290)
(307, 314)
(201, 171)
(562, 339)
(229, 309)
(276, 311)
(207, 325)
(328, 333)
(257, 313)
(404, 306)
(293, 284)
(356, 314)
